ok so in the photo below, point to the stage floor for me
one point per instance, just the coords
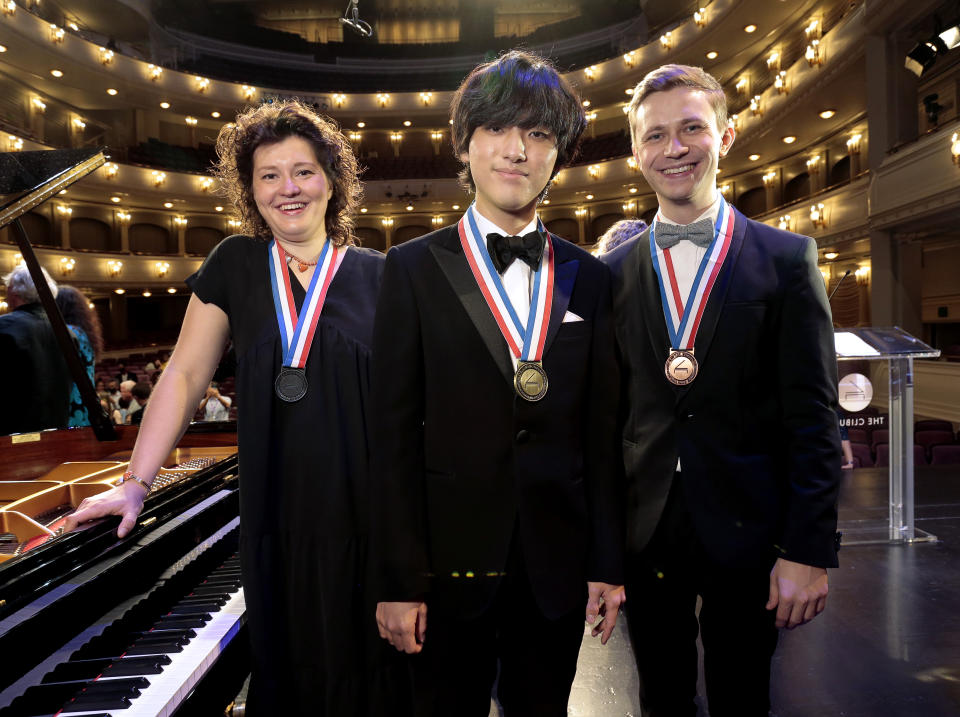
(888, 643)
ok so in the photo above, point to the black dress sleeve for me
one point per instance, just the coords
(211, 282)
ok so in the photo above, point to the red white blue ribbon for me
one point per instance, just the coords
(298, 332)
(683, 319)
(526, 342)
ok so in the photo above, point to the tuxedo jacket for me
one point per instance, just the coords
(462, 465)
(756, 431)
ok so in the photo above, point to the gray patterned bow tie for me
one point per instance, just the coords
(700, 233)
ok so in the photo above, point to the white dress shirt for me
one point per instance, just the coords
(518, 277)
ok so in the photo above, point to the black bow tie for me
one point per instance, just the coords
(503, 250)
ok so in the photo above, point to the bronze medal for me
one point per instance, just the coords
(681, 367)
(530, 380)
(291, 384)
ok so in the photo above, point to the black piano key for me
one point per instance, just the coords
(82, 703)
(160, 632)
(195, 607)
(211, 590)
(219, 601)
(182, 621)
(49, 698)
(76, 670)
(131, 666)
(155, 648)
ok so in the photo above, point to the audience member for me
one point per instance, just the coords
(618, 234)
(141, 395)
(124, 375)
(38, 381)
(85, 327)
(215, 407)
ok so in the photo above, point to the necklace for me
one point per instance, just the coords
(301, 264)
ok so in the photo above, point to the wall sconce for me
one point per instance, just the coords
(202, 83)
(123, 217)
(180, 222)
(813, 54)
(813, 162)
(436, 136)
(785, 223)
(955, 148)
(590, 116)
(862, 275)
(79, 124)
(818, 216)
(17, 260)
(110, 170)
(780, 83)
(825, 273)
(594, 171)
(396, 137)
(338, 99)
(154, 72)
(56, 34)
(436, 221)
(64, 211)
(355, 137)
(106, 56)
(755, 109)
(383, 99)
(248, 92)
(630, 58)
(192, 121)
(161, 268)
(158, 178)
(773, 61)
(233, 223)
(590, 72)
(700, 17)
(580, 212)
(743, 85)
(735, 122)
(114, 267)
(9, 7)
(853, 144)
(206, 183)
(769, 178)
(813, 30)
(632, 164)
(628, 207)
(666, 41)
(38, 105)
(66, 266)
(726, 190)
(387, 221)
(426, 98)
(555, 179)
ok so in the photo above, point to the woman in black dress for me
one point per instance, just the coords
(302, 397)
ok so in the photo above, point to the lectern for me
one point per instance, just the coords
(898, 349)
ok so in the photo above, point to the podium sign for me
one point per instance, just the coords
(898, 349)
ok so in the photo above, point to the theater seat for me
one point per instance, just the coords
(945, 455)
(929, 439)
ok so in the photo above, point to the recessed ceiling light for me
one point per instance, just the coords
(115, 199)
(147, 293)
(750, 28)
(168, 205)
(455, 206)
(545, 201)
(171, 290)
(363, 210)
(361, 125)
(119, 291)
(165, 105)
(827, 114)
(3, 48)
(111, 91)
(409, 207)
(62, 191)
(56, 73)
(586, 103)
(629, 91)
(589, 196)
(830, 255)
(215, 114)
(218, 208)
(789, 139)
(407, 123)
(753, 157)
(712, 55)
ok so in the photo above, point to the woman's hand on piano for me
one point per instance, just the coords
(125, 500)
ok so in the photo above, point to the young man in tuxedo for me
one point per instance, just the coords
(495, 456)
(730, 438)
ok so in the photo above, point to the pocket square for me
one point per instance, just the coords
(570, 316)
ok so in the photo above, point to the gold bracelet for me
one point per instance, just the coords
(129, 475)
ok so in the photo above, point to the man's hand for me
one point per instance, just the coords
(797, 591)
(604, 599)
(403, 624)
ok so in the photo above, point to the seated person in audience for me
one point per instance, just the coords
(141, 394)
(126, 393)
(37, 379)
(100, 386)
(124, 375)
(113, 388)
(215, 407)
(618, 234)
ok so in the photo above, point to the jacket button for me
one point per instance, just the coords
(523, 435)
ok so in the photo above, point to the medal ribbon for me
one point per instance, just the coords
(684, 320)
(297, 333)
(526, 342)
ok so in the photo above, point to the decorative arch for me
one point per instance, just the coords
(89, 234)
(39, 230)
(753, 202)
(564, 227)
(151, 239)
(201, 240)
(797, 188)
(406, 233)
(371, 238)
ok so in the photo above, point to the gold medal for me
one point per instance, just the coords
(681, 367)
(530, 380)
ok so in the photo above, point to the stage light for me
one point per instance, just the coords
(924, 54)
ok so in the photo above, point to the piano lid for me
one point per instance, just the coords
(30, 178)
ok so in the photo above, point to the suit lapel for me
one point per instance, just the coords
(714, 307)
(646, 294)
(565, 276)
(449, 255)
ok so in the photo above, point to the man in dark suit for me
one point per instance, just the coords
(33, 368)
(495, 455)
(730, 439)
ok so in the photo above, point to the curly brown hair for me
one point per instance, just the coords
(273, 122)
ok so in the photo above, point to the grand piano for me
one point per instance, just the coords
(153, 624)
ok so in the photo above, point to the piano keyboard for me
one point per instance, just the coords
(147, 661)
